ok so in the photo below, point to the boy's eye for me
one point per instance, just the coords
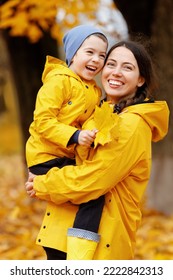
(90, 52)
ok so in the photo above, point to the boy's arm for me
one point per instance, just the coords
(50, 101)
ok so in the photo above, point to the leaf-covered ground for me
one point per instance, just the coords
(20, 218)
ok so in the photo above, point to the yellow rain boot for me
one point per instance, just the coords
(81, 244)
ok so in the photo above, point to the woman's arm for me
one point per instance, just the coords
(109, 165)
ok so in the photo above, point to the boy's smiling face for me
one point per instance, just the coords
(89, 59)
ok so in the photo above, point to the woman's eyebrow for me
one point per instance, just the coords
(124, 62)
(111, 59)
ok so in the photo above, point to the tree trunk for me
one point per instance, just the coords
(160, 192)
(162, 40)
(27, 62)
(138, 14)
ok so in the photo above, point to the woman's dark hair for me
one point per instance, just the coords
(146, 70)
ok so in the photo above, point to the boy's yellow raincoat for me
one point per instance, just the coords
(118, 166)
(63, 104)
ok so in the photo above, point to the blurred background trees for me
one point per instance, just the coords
(32, 29)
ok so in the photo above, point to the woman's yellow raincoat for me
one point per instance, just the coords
(118, 166)
(63, 104)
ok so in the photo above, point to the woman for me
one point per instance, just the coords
(117, 166)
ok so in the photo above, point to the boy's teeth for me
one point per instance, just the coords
(91, 68)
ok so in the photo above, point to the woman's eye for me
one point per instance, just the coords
(110, 64)
(127, 67)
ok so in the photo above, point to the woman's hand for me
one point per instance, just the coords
(30, 184)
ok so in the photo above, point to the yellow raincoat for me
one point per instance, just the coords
(118, 166)
(63, 103)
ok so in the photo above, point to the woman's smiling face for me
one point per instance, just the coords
(120, 75)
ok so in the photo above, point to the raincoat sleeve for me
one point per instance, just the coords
(50, 100)
(110, 164)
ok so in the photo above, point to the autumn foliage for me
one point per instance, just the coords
(31, 18)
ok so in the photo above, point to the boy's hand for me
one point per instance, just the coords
(86, 137)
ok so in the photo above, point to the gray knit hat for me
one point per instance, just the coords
(74, 38)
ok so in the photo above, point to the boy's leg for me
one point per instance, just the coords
(89, 214)
(83, 238)
(43, 168)
(53, 254)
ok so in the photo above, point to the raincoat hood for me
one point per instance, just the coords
(55, 66)
(156, 115)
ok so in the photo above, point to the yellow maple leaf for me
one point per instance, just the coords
(105, 120)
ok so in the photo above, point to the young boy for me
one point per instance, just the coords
(66, 99)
